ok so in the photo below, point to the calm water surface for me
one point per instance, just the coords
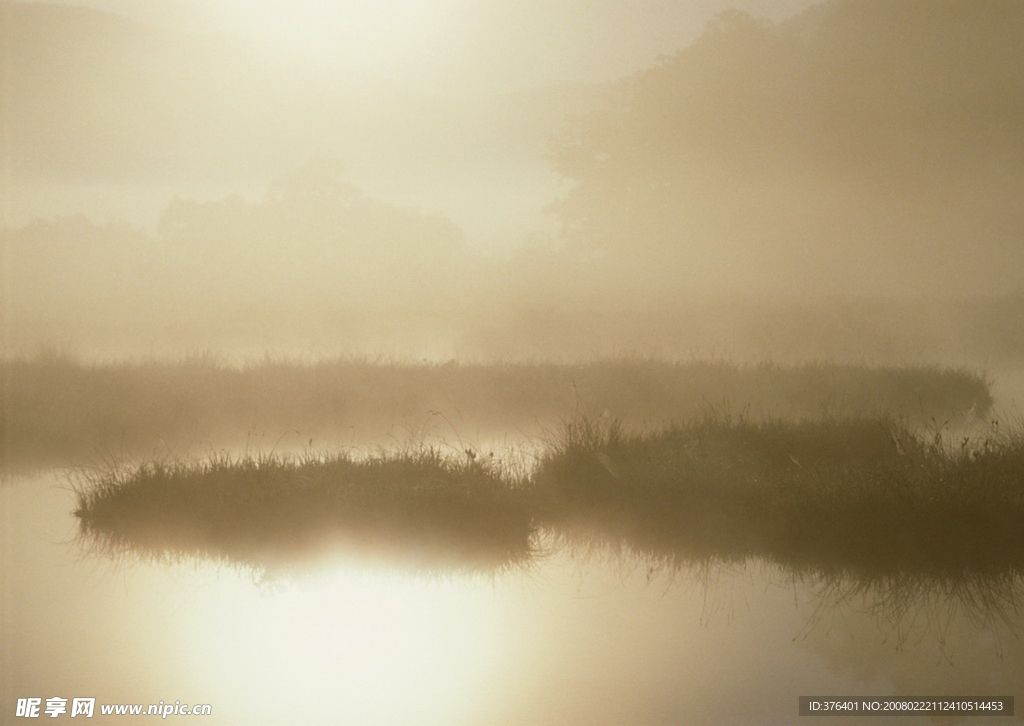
(572, 639)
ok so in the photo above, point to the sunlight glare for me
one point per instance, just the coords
(369, 33)
(361, 647)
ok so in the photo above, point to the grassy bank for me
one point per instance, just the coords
(852, 500)
(858, 497)
(409, 510)
(57, 411)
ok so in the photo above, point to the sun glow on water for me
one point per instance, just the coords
(357, 647)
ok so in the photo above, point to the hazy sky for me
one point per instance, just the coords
(873, 148)
(461, 45)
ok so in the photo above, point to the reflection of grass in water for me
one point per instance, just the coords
(864, 513)
(414, 510)
(855, 507)
(988, 598)
(863, 497)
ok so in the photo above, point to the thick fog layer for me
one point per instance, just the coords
(435, 179)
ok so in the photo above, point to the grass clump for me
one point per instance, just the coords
(414, 510)
(869, 504)
(853, 496)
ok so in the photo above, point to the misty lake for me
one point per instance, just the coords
(450, 363)
(593, 637)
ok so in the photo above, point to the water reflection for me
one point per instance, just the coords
(355, 645)
(584, 635)
(895, 590)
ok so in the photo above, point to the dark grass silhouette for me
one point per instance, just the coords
(859, 503)
(415, 511)
(864, 512)
(849, 497)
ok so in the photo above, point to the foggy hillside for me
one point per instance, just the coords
(841, 183)
(865, 147)
(145, 113)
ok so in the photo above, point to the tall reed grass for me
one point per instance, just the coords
(58, 411)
